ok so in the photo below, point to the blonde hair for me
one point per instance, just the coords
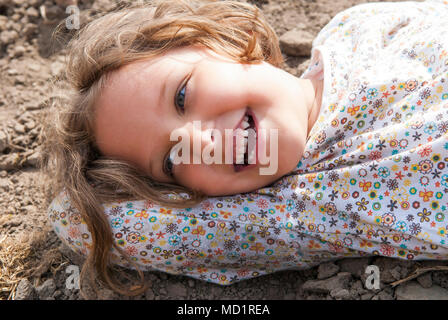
(70, 156)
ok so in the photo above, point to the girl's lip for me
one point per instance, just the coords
(239, 168)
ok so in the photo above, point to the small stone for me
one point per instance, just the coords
(425, 280)
(413, 291)
(340, 294)
(33, 106)
(19, 128)
(274, 293)
(340, 281)
(4, 185)
(34, 67)
(358, 287)
(32, 12)
(440, 278)
(24, 20)
(327, 270)
(3, 174)
(23, 118)
(34, 132)
(56, 68)
(29, 29)
(18, 51)
(296, 43)
(14, 26)
(9, 161)
(20, 79)
(46, 290)
(28, 209)
(216, 291)
(107, 294)
(15, 179)
(8, 37)
(163, 291)
(367, 296)
(396, 272)
(19, 3)
(25, 291)
(176, 290)
(3, 22)
(57, 294)
(149, 294)
(10, 210)
(383, 295)
(15, 17)
(33, 159)
(22, 140)
(30, 124)
(52, 12)
(289, 296)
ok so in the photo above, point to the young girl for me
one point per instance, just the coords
(362, 141)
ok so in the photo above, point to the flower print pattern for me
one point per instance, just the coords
(373, 178)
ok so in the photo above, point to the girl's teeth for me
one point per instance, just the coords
(251, 157)
(240, 158)
(241, 151)
(242, 148)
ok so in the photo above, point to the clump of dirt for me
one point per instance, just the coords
(33, 261)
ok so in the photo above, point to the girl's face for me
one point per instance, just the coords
(189, 91)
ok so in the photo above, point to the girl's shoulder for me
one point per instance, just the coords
(379, 18)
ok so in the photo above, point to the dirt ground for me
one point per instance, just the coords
(33, 261)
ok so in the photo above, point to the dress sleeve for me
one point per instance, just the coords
(221, 240)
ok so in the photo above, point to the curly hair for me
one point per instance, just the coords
(70, 156)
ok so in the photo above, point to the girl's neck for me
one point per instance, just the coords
(315, 88)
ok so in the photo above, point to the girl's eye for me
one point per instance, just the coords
(168, 166)
(180, 99)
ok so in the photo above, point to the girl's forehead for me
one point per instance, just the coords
(159, 64)
(178, 55)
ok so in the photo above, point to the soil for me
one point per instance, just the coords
(33, 261)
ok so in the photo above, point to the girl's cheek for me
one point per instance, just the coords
(205, 178)
(191, 176)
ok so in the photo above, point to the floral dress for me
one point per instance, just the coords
(373, 179)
